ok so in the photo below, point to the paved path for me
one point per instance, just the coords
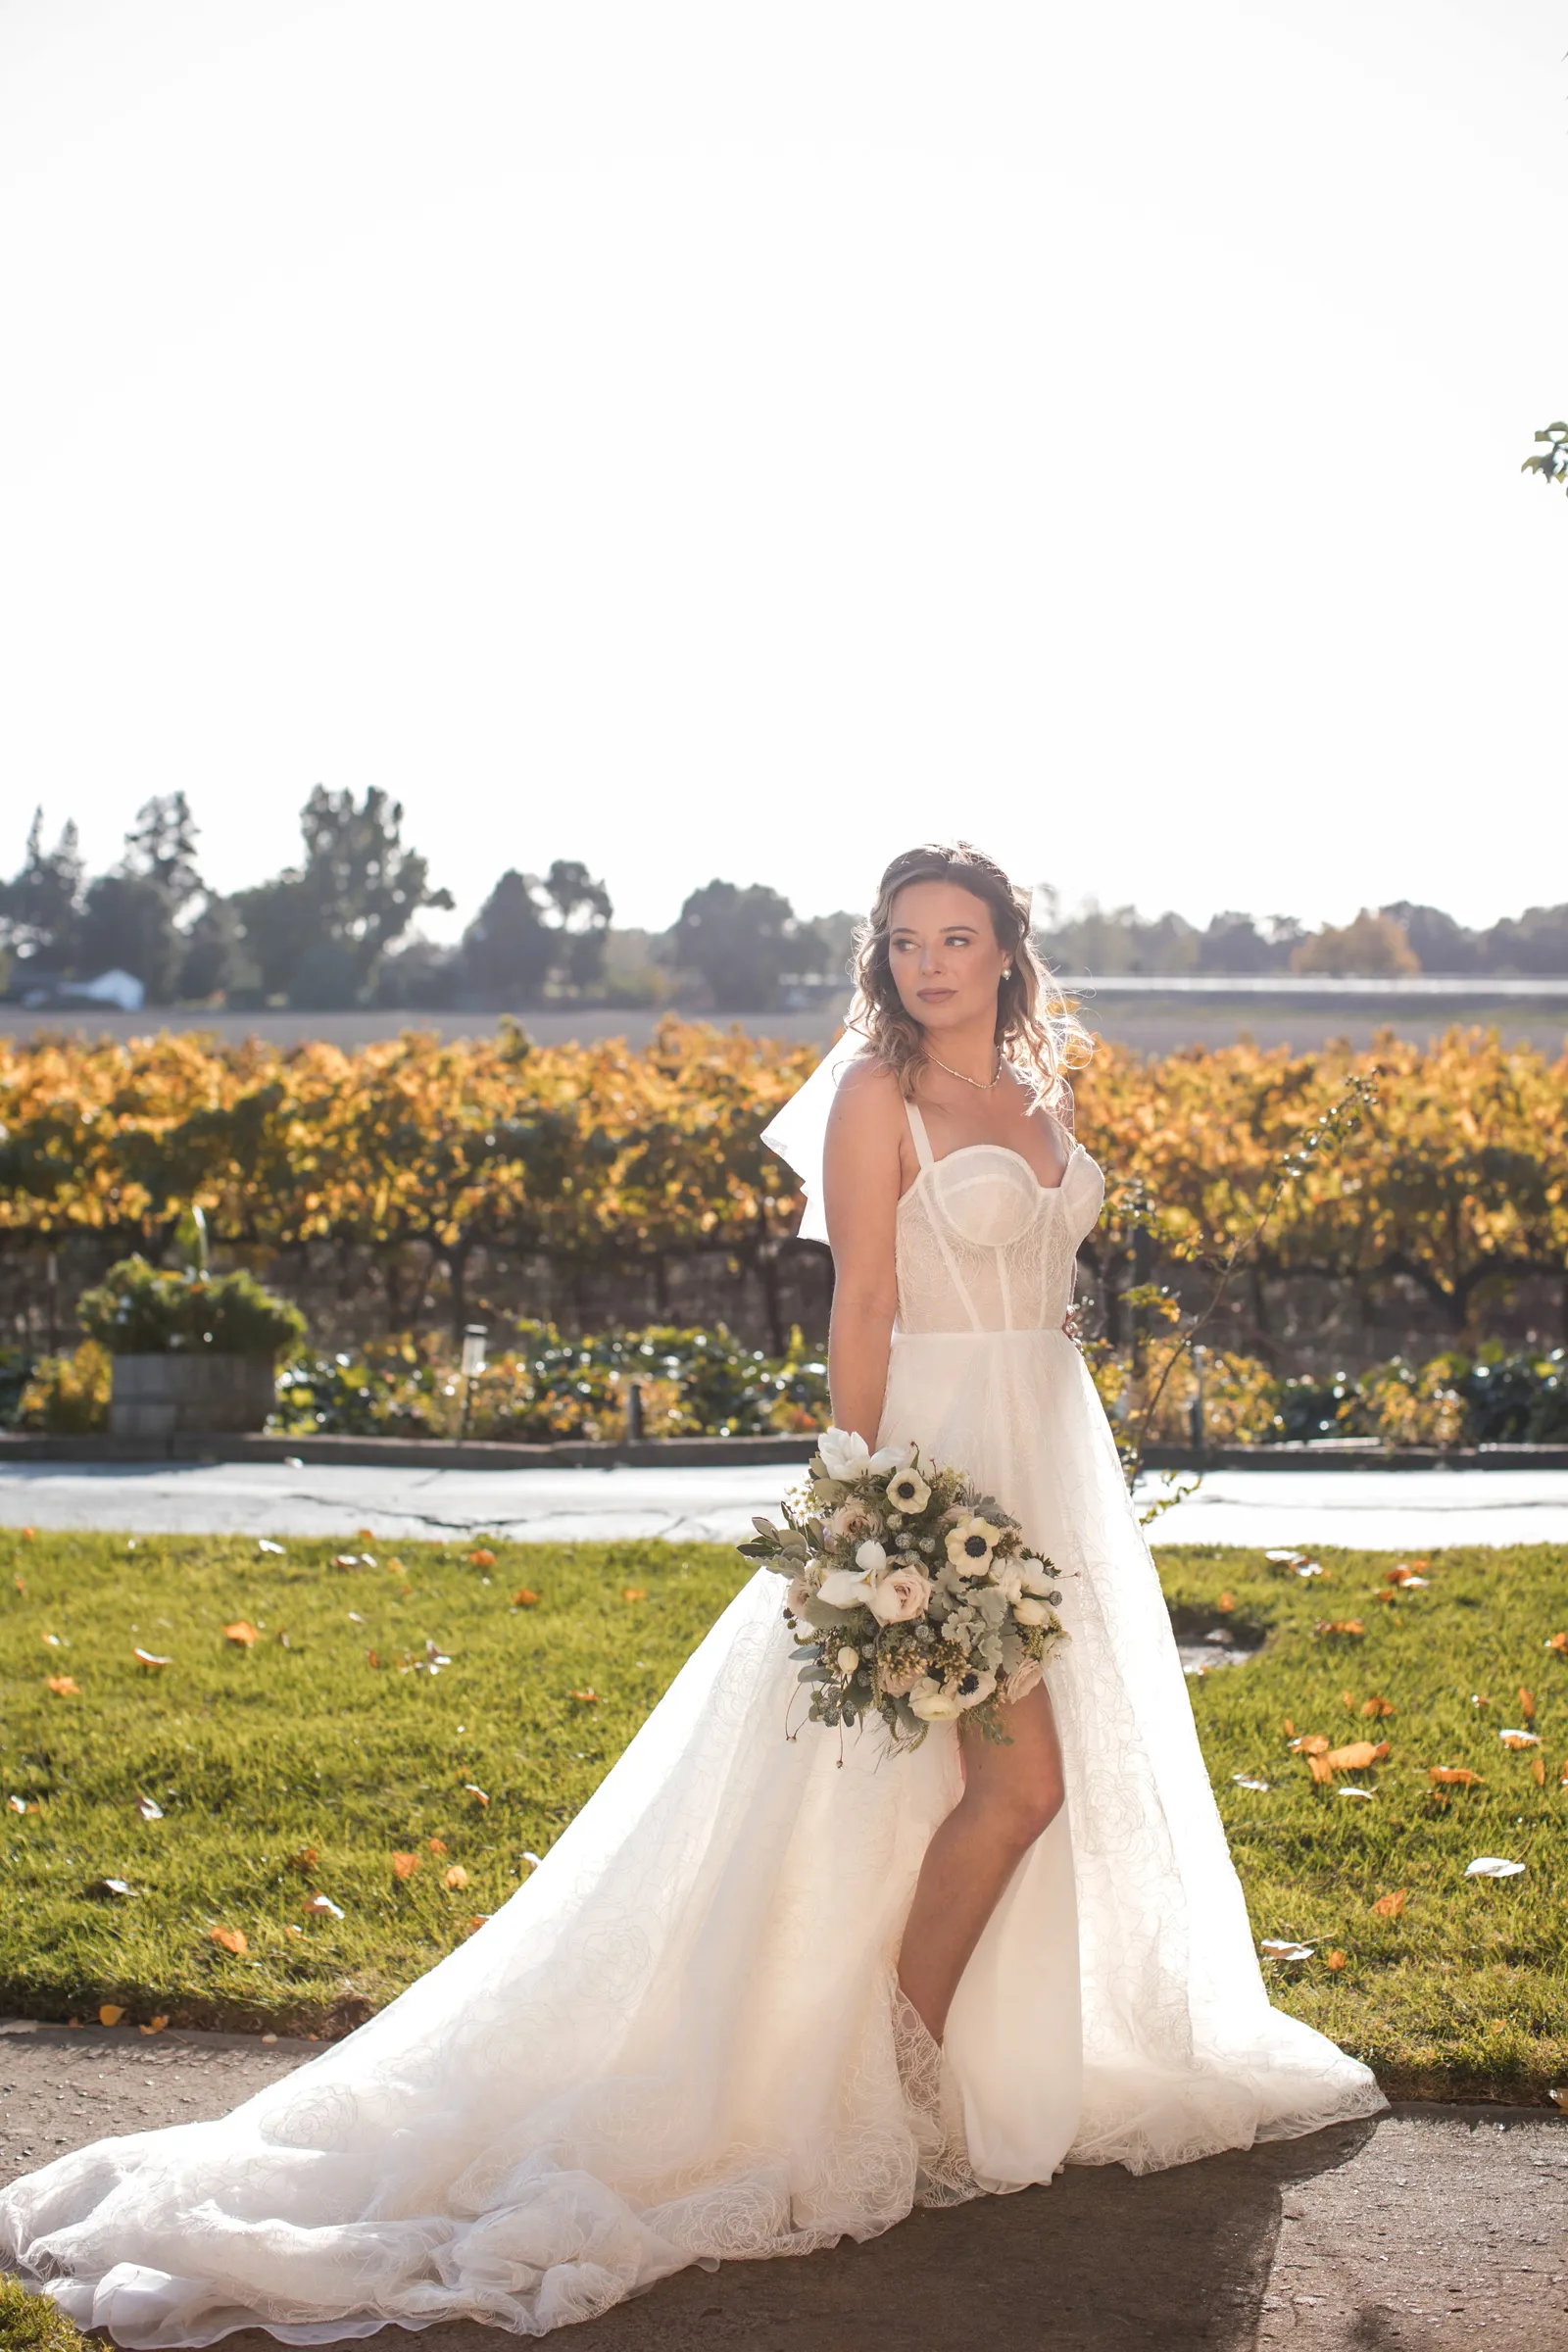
(1431, 2228)
(1405, 1509)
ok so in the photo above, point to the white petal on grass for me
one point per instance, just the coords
(1493, 1865)
(1367, 1792)
(1275, 1947)
(264, 1543)
(148, 1810)
(1242, 1781)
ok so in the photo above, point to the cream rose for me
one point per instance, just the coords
(935, 1702)
(848, 1659)
(849, 1523)
(899, 1596)
(1030, 1612)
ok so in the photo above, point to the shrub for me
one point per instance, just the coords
(545, 1387)
(67, 1395)
(140, 1309)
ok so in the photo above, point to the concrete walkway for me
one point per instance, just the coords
(1410, 1510)
(1434, 2226)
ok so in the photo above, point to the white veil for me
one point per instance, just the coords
(797, 1132)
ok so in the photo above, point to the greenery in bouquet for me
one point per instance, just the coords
(911, 1594)
(141, 1309)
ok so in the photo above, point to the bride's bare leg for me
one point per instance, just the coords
(1009, 1796)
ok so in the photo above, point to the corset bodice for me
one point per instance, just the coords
(984, 1246)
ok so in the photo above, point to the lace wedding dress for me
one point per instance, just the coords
(681, 2040)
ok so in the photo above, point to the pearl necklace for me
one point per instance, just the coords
(981, 1085)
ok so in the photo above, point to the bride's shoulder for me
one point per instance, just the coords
(867, 1099)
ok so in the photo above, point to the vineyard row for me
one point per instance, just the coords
(599, 1157)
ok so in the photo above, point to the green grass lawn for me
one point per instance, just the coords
(301, 1763)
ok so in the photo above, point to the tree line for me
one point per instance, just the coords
(1385, 942)
(339, 926)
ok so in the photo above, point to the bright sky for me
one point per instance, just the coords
(705, 437)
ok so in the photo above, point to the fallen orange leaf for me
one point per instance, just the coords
(145, 1657)
(231, 1939)
(457, 1875)
(1527, 1703)
(306, 1858)
(1558, 1641)
(395, 1565)
(367, 1535)
(525, 1600)
(588, 1698)
(1289, 1728)
(404, 1866)
(480, 1919)
(1226, 1601)
(27, 1534)
(64, 1685)
(1388, 1907)
(242, 1632)
(155, 2024)
(1453, 1776)
(1311, 1743)
(1519, 1739)
(438, 1845)
(110, 2015)
(1376, 1706)
(480, 1559)
(478, 1794)
(1347, 1702)
(1357, 1755)
(1538, 1771)
(1334, 1960)
(634, 1593)
(1320, 1768)
(1339, 1625)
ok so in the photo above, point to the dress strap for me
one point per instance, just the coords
(922, 1141)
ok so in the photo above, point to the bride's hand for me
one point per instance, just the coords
(1071, 1325)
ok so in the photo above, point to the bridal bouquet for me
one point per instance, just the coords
(911, 1594)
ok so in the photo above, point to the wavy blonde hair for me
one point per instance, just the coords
(1035, 1030)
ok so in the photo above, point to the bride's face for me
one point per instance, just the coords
(946, 959)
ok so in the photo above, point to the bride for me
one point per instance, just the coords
(762, 1994)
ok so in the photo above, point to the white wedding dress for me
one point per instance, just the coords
(676, 2043)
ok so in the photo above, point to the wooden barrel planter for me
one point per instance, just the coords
(160, 1396)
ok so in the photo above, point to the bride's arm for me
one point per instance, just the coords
(861, 1184)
